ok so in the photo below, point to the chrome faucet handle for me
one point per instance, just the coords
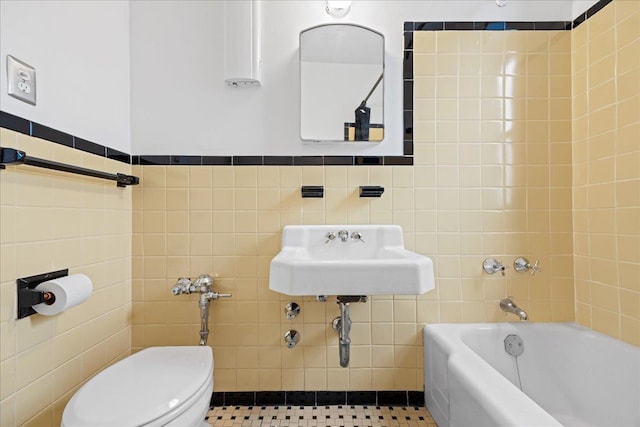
(330, 237)
(343, 235)
(356, 236)
(522, 264)
(492, 265)
(535, 268)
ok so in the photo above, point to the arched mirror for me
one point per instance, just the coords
(341, 84)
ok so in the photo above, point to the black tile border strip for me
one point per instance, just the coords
(15, 123)
(89, 147)
(277, 160)
(37, 130)
(405, 160)
(50, 134)
(27, 127)
(186, 160)
(308, 161)
(217, 160)
(119, 156)
(317, 398)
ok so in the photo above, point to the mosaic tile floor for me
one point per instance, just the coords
(320, 416)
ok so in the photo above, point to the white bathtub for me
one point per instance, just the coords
(571, 376)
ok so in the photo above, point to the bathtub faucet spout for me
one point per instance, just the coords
(508, 306)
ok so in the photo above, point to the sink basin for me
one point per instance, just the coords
(377, 264)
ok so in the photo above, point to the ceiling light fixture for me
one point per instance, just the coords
(338, 9)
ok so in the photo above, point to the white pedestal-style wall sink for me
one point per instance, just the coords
(332, 260)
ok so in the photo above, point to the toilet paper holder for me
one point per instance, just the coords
(28, 296)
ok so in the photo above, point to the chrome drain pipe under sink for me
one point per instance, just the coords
(342, 325)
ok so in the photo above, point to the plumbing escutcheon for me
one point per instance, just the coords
(492, 265)
(291, 338)
(521, 264)
(291, 310)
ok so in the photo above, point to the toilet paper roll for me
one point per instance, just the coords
(68, 291)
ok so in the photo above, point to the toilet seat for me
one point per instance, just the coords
(151, 387)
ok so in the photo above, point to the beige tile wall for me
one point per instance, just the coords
(50, 221)
(492, 178)
(606, 170)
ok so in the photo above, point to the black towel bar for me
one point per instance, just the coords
(11, 156)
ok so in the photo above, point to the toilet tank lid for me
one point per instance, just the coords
(141, 387)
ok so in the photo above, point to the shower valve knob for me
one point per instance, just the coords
(535, 268)
(492, 265)
(522, 264)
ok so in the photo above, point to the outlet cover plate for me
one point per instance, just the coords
(21, 80)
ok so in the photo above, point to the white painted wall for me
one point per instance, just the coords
(180, 104)
(80, 50)
(173, 85)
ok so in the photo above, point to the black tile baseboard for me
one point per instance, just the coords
(362, 398)
(269, 398)
(326, 398)
(318, 398)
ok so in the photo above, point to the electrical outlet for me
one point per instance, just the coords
(21, 80)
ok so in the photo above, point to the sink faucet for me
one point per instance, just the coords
(343, 235)
(508, 306)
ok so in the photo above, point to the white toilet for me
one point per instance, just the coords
(158, 386)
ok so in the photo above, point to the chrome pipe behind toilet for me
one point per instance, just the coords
(201, 285)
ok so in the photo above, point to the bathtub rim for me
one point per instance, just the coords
(467, 364)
